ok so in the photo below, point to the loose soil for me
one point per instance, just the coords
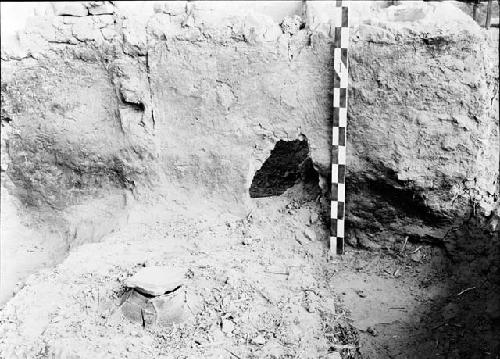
(270, 276)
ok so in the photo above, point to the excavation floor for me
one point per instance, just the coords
(264, 287)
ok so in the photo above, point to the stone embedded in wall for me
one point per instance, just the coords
(85, 30)
(68, 8)
(174, 8)
(134, 38)
(225, 96)
(292, 25)
(104, 21)
(101, 8)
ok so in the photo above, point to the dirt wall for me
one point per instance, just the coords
(96, 101)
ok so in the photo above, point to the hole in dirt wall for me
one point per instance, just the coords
(288, 164)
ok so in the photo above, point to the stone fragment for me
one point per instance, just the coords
(134, 37)
(273, 349)
(366, 243)
(108, 34)
(372, 331)
(256, 28)
(494, 219)
(156, 280)
(227, 326)
(416, 257)
(172, 7)
(103, 20)
(313, 218)
(225, 96)
(259, 340)
(450, 311)
(310, 234)
(105, 8)
(69, 9)
(291, 25)
(361, 293)
(84, 29)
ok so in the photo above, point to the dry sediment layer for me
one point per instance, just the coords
(100, 103)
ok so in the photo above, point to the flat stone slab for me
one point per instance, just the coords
(156, 280)
(70, 9)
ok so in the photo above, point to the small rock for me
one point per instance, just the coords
(310, 234)
(247, 241)
(366, 243)
(416, 257)
(449, 311)
(274, 349)
(293, 334)
(334, 355)
(361, 294)
(83, 30)
(291, 25)
(227, 326)
(156, 280)
(493, 222)
(313, 218)
(69, 8)
(352, 240)
(108, 34)
(201, 341)
(259, 340)
(372, 331)
(172, 8)
(225, 95)
(311, 302)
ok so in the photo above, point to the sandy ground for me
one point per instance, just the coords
(259, 287)
(23, 250)
(253, 271)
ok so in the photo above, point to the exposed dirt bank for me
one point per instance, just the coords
(120, 151)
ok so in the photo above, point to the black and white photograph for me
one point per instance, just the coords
(295, 179)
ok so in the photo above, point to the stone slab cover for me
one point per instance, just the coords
(156, 280)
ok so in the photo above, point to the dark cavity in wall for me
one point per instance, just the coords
(288, 164)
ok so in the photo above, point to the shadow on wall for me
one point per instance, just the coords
(288, 164)
(465, 322)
